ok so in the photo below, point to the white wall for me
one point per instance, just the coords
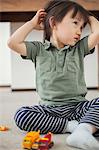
(5, 56)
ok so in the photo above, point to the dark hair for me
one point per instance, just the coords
(58, 9)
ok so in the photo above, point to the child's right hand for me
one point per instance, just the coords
(38, 19)
(16, 41)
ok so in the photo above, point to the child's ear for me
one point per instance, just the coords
(52, 22)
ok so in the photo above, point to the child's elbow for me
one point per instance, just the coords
(10, 43)
(97, 37)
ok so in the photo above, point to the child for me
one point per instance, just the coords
(60, 73)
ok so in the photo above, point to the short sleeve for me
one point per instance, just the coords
(83, 46)
(33, 49)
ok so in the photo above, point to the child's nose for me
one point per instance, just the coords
(79, 31)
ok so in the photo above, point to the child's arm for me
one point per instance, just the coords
(93, 38)
(16, 41)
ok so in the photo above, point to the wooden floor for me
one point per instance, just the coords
(9, 103)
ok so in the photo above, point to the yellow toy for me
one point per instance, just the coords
(30, 138)
(33, 141)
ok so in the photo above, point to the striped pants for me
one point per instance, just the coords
(55, 118)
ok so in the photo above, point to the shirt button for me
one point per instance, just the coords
(60, 53)
(60, 63)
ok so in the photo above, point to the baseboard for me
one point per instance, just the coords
(14, 89)
(93, 88)
(5, 86)
(19, 90)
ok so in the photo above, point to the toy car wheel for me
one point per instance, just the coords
(51, 145)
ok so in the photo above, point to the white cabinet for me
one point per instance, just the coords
(23, 71)
(20, 74)
(5, 55)
(91, 65)
(91, 69)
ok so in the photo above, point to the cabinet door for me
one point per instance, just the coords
(23, 71)
(5, 55)
(91, 69)
(91, 65)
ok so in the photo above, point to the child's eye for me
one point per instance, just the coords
(75, 22)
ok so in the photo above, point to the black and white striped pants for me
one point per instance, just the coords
(55, 118)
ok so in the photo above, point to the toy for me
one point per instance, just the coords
(33, 141)
(4, 128)
(30, 138)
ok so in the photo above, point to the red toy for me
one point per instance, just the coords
(46, 142)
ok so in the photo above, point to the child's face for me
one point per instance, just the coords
(68, 31)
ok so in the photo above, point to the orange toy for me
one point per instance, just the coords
(4, 128)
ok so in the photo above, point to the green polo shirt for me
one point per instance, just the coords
(59, 72)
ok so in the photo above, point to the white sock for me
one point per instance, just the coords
(82, 138)
(71, 126)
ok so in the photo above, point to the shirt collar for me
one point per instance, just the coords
(48, 44)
